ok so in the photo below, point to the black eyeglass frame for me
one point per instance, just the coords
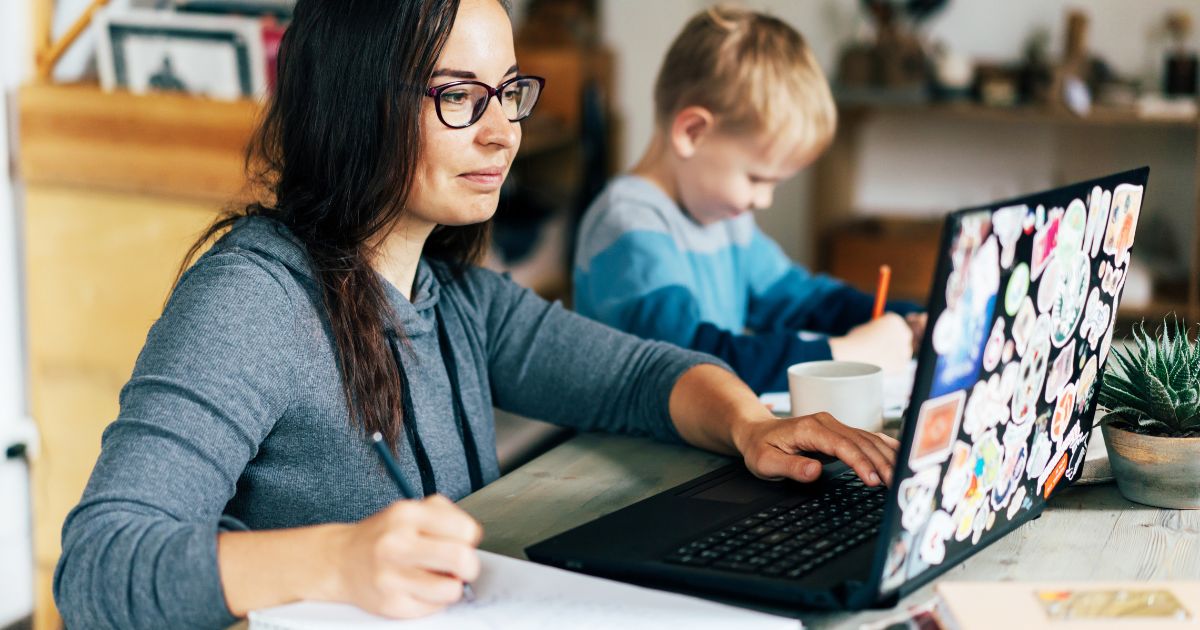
(435, 93)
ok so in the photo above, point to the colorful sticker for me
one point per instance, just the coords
(1072, 228)
(1106, 344)
(1060, 372)
(1086, 385)
(1048, 288)
(1063, 411)
(916, 498)
(893, 574)
(1053, 475)
(1122, 221)
(933, 538)
(1017, 434)
(1032, 372)
(1039, 453)
(1098, 205)
(982, 518)
(1023, 325)
(937, 426)
(958, 475)
(995, 346)
(1007, 223)
(1095, 316)
(1011, 473)
(961, 330)
(1078, 454)
(987, 456)
(1112, 279)
(1018, 288)
(1014, 503)
(964, 513)
(1045, 241)
(1069, 296)
(987, 405)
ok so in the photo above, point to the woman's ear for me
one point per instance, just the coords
(689, 128)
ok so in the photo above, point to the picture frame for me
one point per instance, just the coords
(217, 56)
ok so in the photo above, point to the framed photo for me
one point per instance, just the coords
(218, 56)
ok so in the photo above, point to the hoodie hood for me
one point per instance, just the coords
(272, 240)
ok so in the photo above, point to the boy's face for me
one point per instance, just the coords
(728, 175)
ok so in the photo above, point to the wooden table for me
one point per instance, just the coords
(1087, 533)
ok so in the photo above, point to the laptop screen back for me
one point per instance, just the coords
(1020, 324)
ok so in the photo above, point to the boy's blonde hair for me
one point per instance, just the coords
(753, 72)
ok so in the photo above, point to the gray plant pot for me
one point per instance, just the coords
(1159, 471)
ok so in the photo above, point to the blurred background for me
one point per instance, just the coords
(125, 122)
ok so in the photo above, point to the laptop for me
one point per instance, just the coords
(1021, 320)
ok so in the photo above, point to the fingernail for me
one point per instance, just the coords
(812, 469)
(874, 479)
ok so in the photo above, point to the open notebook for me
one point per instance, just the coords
(519, 594)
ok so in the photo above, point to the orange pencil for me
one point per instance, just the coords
(885, 277)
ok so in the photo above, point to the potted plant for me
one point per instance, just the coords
(1152, 426)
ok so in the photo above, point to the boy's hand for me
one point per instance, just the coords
(771, 448)
(916, 323)
(886, 342)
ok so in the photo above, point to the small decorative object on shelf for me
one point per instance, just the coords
(1151, 392)
(219, 56)
(1179, 77)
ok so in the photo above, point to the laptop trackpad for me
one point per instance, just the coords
(738, 488)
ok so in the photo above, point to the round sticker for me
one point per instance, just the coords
(1018, 288)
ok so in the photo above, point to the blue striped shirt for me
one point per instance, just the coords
(644, 266)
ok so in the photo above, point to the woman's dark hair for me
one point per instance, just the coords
(333, 160)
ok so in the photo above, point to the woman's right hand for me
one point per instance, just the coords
(410, 559)
(886, 342)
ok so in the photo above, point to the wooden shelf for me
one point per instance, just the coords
(165, 145)
(1099, 116)
(836, 179)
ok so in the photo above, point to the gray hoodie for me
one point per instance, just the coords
(234, 418)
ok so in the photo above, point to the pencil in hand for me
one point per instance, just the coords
(885, 277)
(398, 477)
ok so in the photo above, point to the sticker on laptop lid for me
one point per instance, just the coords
(1085, 386)
(915, 497)
(1031, 375)
(1064, 410)
(1060, 372)
(1095, 317)
(937, 426)
(1098, 205)
(1122, 221)
(1023, 325)
(1069, 297)
(1072, 229)
(1017, 289)
(932, 546)
(1008, 223)
(1045, 241)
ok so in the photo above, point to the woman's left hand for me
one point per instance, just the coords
(773, 448)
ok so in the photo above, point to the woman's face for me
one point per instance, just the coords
(459, 171)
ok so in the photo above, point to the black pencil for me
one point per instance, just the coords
(406, 490)
(393, 469)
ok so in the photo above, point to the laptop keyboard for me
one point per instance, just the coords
(791, 540)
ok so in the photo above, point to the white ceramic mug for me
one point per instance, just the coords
(852, 392)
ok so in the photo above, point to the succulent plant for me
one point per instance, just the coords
(1153, 386)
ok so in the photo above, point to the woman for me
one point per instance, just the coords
(239, 475)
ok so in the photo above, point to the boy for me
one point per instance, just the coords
(671, 251)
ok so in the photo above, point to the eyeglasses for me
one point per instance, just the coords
(462, 103)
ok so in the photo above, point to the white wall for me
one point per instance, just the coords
(16, 555)
(933, 166)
